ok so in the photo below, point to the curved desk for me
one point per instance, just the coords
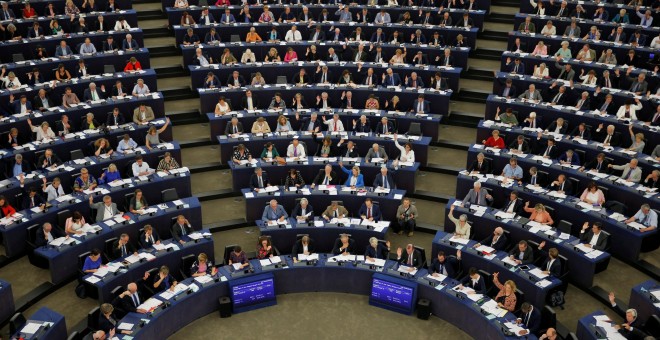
(429, 124)
(546, 115)
(135, 271)
(40, 5)
(642, 299)
(6, 301)
(290, 70)
(438, 100)
(324, 237)
(586, 329)
(611, 8)
(46, 316)
(14, 236)
(404, 177)
(460, 312)
(256, 202)
(63, 260)
(256, 143)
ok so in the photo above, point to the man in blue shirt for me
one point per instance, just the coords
(512, 170)
(646, 217)
(274, 212)
(20, 166)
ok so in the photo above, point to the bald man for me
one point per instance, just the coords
(131, 299)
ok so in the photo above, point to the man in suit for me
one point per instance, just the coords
(522, 254)
(33, 199)
(131, 45)
(376, 250)
(104, 210)
(235, 80)
(411, 258)
(48, 159)
(474, 281)
(115, 118)
(529, 318)
(584, 102)
(480, 165)
(551, 151)
(227, 17)
(249, 102)
(632, 327)
(344, 245)
(581, 131)
(638, 85)
(573, 30)
(63, 50)
(595, 238)
(414, 81)
(496, 241)
(631, 172)
(477, 195)
(378, 37)
(519, 145)
(608, 81)
(323, 75)
(637, 39)
(334, 210)
(318, 35)
(527, 26)
(532, 94)
(376, 152)
(101, 26)
(384, 127)
(110, 45)
(558, 126)
(326, 177)
(118, 90)
(653, 180)
(518, 46)
(607, 136)
(513, 204)
(259, 180)
(274, 212)
(445, 265)
(46, 235)
(92, 94)
(122, 247)
(35, 31)
(80, 26)
(421, 105)
(41, 101)
(7, 13)
(131, 299)
(515, 67)
(384, 179)
(557, 95)
(181, 229)
(509, 90)
(390, 78)
(599, 164)
(20, 106)
(618, 35)
(552, 264)
(203, 59)
(149, 237)
(303, 211)
(347, 150)
(303, 246)
(234, 127)
(335, 35)
(309, 123)
(446, 59)
(369, 211)
(569, 157)
(143, 114)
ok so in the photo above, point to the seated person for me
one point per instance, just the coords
(593, 195)
(522, 254)
(506, 297)
(167, 163)
(303, 211)
(149, 237)
(181, 229)
(376, 250)
(355, 178)
(520, 145)
(47, 235)
(123, 247)
(163, 280)
(539, 214)
(475, 281)
(326, 177)
(138, 202)
(84, 182)
(140, 167)
(334, 210)
(411, 258)
(646, 217)
(274, 212)
(477, 195)
(325, 147)
(203, 266)
(269, 153)
(513, 205)
(33, 200)
(294, 179)
(594, 238)
(126, 145)
(495, 141)
(110, 174)
(344, 245)
(562, 185)
(496, 241)
(238, 256)
(445, 265)
(376, 152)
(569, 158)
(92, 262)
(304, 246)
(241, 153)
(512, 170)
(552, 265)
(49, 159)
(259, 180)
(369, 211)
(265, 248)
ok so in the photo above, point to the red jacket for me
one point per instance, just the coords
(131, 67)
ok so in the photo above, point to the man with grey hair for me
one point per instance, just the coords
(140, 88)
(130, 299)
(496, 241)
(259, 180)
(480, 165)
(646, 217)
(274, 212)
(377, 250)
(412, 257)
(304, 246)
(19, 166)
(104, 210)
(653, 180)
(462, 226)
(47, 235)
(87, 47)
(375, 152)
(631, 328)
(607, 136)
(477, 195)
(631, 172)
(92, 93)
(303, 211)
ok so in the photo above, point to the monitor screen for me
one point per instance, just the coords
(252, 292)
(392, 293)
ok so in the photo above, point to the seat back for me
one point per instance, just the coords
(415, 129)
(108, 68)
(422, 253)
(228, 249)
(93, 319)
(77, 154)
(281, 80)
(653, 326)
(616, 206)
(16, 323)
(109, 252)
(32, 234)
(235, 38)
(62, 216)
(16, 57)
(186, 263)
(81, 262)
(169, 195)
(548, 318)
(565, 226)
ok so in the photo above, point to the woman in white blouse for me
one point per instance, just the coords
(11, 82)
(222, 107)
(399, 56)
(549, 29)
(627, 110)
(180, 3)
(260, 126)
(541, 71)
(248, 57)
(593, 195)
(407, 153)
(43, 131)
(589, 79)
(258, 79)
(53, 190)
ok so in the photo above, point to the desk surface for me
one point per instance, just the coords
(56, 331)
(63, 261)
(6, 301)
(319, 277)
(640, 299)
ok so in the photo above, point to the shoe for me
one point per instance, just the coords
(410, 234)
(400, 233)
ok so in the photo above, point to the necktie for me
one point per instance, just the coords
(657, 115)
(385, 128)
(135, 300)
(547, 151)
(391, 80)
(534, 180)
(561, 187)
(32, 202)
(629, 174)
(560, 12)
(419, 107)
(604, 107)
(334, 125)
(336, 214)
(369, 213)
(598, 166)
(316, 35)
(326, 181)
(607, 139)
(235, 129)
(386, 185)
(478, 199)
(442, 269)
(635, 87)
(295, 151)
(556, 99)
(526, 27)
(410, 260)
(261, 182)
(579, 105)
(515, 69)
(646, 219)
(183, 230)
(123, 250)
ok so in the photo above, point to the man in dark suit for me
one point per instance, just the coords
(480, 165)
(181, 229)
(369, 211)
(384, 127)
(581, 131)
(149, 237)
(35, 31)
(249, 97)
(48, 159)
(118, 90)
(519, 145)
(301, 210)
(376, 250)
(32, 199)
(123, 247)
(390, 78)
(551, 151)
(569, 157)
(552, 263)
(517, 66)
(46, 235)
(474, 281)
(509, 90)
(378, 36)
(477, 195)
(131, 299)
(20, 106)
(234, 127)
(92, 93)
(584, 102)
(259, 180)
(109, 45)
(41, 101)
(326, 177)
(446, 265)
(411, 257)
(522, 254)
(384, 180)
(115, 118)
(309, 123)
(496, 241)
(600, 164)
(558, 126)
(607, 135)
(235, 80)
(317, 35)
(513, 204)
(595, 238)
(421, 105)
(303, 246)
(557, 95)
(529, 318)
(562, 185)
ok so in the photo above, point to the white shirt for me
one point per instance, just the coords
(594, 239)
(137, 169)
(54, 193)
(300, 151)
(119, 26)
(107, 212)
(250, 105)
(293, 36)
(41, 134)
(141, 90)
(331, 125)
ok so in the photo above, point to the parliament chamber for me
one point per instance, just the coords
(461, 169)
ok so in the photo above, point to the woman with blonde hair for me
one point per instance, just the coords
(539, 214)
(248, 57)
(506, 297)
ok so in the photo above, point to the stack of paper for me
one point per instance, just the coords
(204, 279)
(310, 257)
(150, 304)
(146, 256)
(543, 283)
(132, 259)
(460, 240)
(594, 254)
(60, 241)
(486, 249)
(31, 328)
(514, 327)
(376, 262)
(538, 273)
(436, 277)
(406, 269)
(636, 225)
(509, 261)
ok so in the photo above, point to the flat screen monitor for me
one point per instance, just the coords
(393, 293)
(252, 292)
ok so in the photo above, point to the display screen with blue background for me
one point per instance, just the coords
(393, 293)
(252, 292)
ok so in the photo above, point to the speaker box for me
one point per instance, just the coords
(423, 309)
(225, 307)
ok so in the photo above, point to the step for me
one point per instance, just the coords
(171, 71)
(178, 93)
(185, 117)
(155, 32)
(450, 144)
(163, 51)
(473, 96)
(486, 53)
(146, 1)
(508, 3)
(493, 35)
(476, 73)
(501, 18)
(197, 142)
(151, 15)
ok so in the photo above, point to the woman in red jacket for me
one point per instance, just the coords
(6, 210)
(133, 65)
(495, 141)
